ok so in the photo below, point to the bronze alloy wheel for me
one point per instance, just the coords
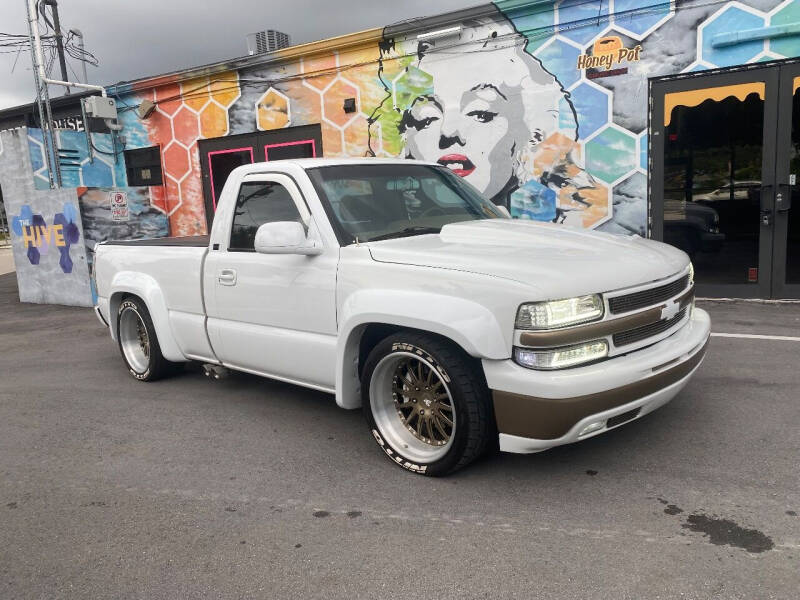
(134, 340)
(413, 407)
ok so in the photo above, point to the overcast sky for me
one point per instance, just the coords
(133, 39)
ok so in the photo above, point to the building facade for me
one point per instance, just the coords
(670, 119)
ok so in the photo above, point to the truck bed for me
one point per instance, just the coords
(194, 241)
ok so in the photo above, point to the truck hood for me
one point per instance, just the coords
(556, 260)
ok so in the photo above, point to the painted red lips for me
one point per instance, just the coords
(457, 163)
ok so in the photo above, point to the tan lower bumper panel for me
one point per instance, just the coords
(551, 418)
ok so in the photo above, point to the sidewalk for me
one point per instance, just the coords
(6, 260)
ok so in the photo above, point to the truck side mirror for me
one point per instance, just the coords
(284, 237)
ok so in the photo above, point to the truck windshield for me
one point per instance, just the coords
(370, 202)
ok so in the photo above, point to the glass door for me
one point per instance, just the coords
(786, 214)
(712, 182)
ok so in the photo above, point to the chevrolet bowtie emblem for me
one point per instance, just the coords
(670, 310)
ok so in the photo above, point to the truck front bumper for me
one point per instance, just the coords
(575, 404)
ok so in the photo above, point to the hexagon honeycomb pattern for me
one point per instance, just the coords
(185, 113)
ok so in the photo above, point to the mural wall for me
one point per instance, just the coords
(541, 105)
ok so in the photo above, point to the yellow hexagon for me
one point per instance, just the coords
(225, 87)
(213, 121)
(195, 93)
(272, 110)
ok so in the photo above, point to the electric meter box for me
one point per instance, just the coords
(100, 107)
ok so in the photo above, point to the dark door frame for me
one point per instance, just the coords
(658, 88)
(780, 288)
(257, 143)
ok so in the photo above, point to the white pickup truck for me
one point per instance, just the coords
(396, 286)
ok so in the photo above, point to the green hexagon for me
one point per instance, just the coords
(611, 154)
(789, 45)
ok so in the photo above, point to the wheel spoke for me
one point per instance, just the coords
(419, 425)
(446, 420)
(406, 404)
(446, 407)
(438, 424)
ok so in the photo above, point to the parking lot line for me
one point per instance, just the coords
(752, 336)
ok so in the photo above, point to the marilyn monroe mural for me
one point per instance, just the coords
(480, 105)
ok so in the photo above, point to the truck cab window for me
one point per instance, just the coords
(259, 202)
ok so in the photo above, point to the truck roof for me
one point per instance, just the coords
(310, 163)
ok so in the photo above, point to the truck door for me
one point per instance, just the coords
(273, 314)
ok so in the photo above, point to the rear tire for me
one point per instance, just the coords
(426, 403)
(138, 342)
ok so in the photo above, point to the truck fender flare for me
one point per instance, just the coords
(146, 288)
(470, 325)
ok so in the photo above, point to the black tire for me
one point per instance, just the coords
(155, 366)
(474, 429)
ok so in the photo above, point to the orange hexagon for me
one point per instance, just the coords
(172, 196)
(355, 137)
(225, 88)
(191, 194)
(333, 102)
(213, 121)
(158, 197)
(317, 70)
(184, 124)
(176, 161)
(272, 110)
(195, 93)
(331, 140)
(168, 98)
(159, 129)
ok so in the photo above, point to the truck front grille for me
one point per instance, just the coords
(649, 297)
(640, 333)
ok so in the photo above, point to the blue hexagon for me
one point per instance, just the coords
(591, 108)
(611, 154)
(561, 59)
(582, 21)
(626, 15)
(97, 174)
(729, 20)
(789, 45)
(34, 149)
(536, 25)
(643, 152)
(696, 67)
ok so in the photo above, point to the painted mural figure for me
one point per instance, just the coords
(491, 113)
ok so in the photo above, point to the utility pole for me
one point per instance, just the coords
(62, 61)
(43, 97)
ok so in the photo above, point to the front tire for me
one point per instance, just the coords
(138, 342)
(426, 403)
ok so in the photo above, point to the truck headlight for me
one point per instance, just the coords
(561, 358)
(559, 313)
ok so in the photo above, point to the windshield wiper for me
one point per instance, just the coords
(407, 232)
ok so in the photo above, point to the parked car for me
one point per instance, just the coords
(692, 227)
(397, 287)
(742, 190)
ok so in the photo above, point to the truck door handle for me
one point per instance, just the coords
(227, 277)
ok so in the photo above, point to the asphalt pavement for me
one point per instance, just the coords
(250, 488)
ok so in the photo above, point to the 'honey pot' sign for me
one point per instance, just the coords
(607, 52)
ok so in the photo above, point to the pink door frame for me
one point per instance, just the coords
(295, 143)
(211, 170)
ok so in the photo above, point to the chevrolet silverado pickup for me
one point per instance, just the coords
(396, 286)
